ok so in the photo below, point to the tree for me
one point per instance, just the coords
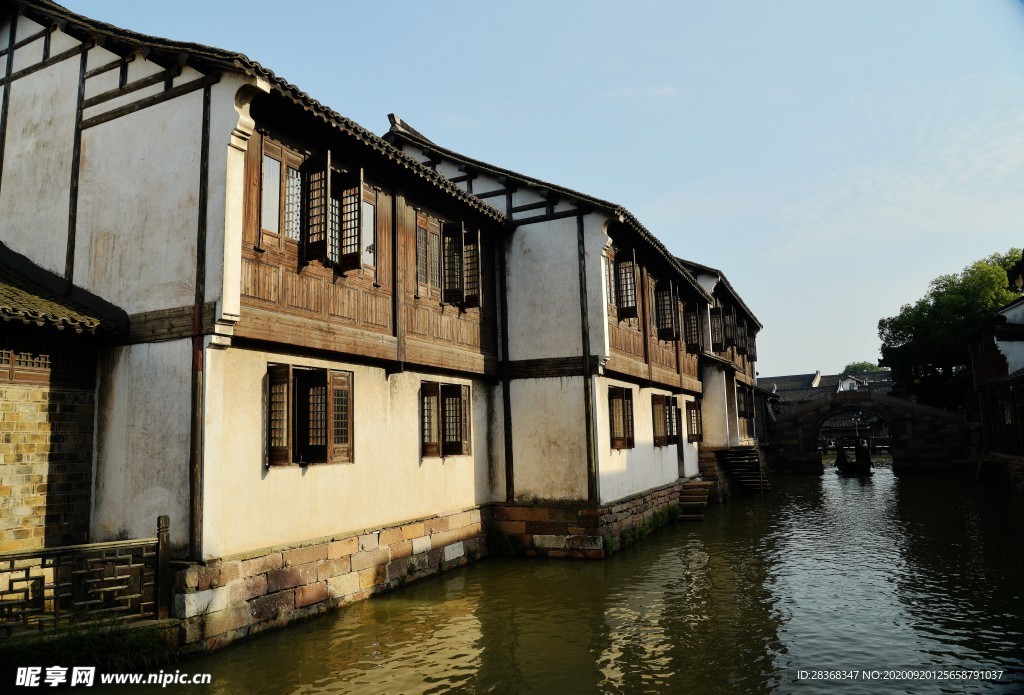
(861, 368)
(924, 343)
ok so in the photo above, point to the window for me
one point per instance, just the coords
(730, 326)
(694, 331)
(444, 419)
(741, 401)
(422, 254)
(666, 311)
(665, 419)
(741, 337)
(752, 347)
(280, 190)
(331, 214)
(620, 410)
(717, 330)
(694, 422)
(368, 233)
(625, 285)
(309, 415)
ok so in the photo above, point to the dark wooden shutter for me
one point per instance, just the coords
(471, 266)
(251, 224)
(422, 251)
(610, 279)
(752, 347)
(430, 418)
(659, 420)
(741, 337)
(692, 320)
(451, 419)
(279, 414)
(625, 279)
(676, 416)
(316, 206)
(350, 226)
(339, 417)
(466, 420)
(627, 409)
(695, 426)
(617, 416)
(717, 330)
(452, 241)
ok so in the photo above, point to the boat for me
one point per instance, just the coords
(861, 463)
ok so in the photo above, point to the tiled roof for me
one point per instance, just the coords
(792, 381)
(217, 58)
(698, 268)
(21, 299)
(403, 132)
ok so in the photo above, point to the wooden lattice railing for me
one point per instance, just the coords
(126, 580)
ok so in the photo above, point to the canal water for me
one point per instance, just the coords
(825, 574)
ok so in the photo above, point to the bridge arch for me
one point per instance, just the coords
(921, 438)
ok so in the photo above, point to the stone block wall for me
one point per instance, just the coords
(577, 531)
(224, 600)
(46, 446)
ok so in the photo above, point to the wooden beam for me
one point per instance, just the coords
(492, 194)
(530, 206)
(547, 217)
(172, 93)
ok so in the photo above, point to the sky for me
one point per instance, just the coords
(829, 157)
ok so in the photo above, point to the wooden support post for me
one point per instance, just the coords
(163, 574)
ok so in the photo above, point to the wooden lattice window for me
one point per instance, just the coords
(368, 231)
(422, 251)
(694, 332)
(752, 347)
(350, 228)
(309, 416)
(620, 412)
(664, 417)
(741, 402)
(729, 319)
(717, 330)
(666, 311)
(625, 285)
(453, 241)
(280, 189)
(445, 420)
(609, 279)
(694, 421)
(471, 267)
(435, 258)
(320, 213)
(741, 337)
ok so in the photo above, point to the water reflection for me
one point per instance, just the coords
(826, 573)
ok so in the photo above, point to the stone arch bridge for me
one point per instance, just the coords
(923, 439)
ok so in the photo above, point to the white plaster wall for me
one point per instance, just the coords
(544, 291)
(37, 156)
(247, 506)
(142, 441)
(714, 407)
(625, 472)
(138, 206)
(549, 447)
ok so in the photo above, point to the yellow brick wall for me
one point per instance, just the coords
(45, 465)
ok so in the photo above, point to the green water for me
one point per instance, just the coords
(824, 574)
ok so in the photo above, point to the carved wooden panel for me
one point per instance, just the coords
(690, 364)
(376, 309)
(663, 353)
(303, 292)
(624, 338)
(343, 302)
(261, 281)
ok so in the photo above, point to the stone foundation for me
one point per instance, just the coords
(567, 530)
(224, 600)
(707, 463)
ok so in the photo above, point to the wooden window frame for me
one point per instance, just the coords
(288, 159)
(663, 411)
(609, 273)
(695, 422)
(293, 407)
(445, 420)
(626, 293)
(729, 323)
(666, 311)
(741, 337)
(622, 432)
(694, 330)
(717, 330)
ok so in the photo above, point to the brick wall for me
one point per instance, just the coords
(45, 465)
(225, 600)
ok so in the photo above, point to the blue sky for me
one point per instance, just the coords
(831, 158)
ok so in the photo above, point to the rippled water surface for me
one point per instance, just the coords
(824, 574)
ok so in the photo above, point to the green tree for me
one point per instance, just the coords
(924, 343)
(861, 368)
